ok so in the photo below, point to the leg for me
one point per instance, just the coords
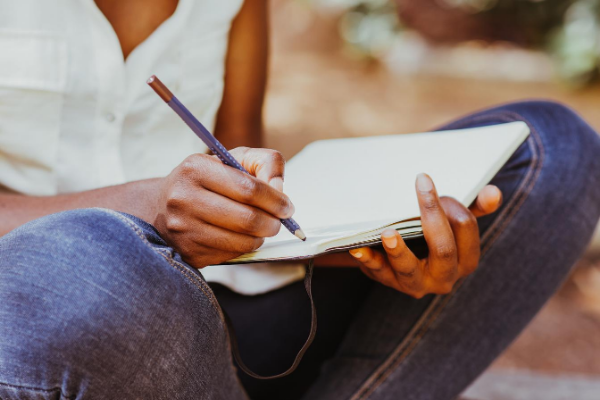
(272, 327)
(94, 304)
(433, 348)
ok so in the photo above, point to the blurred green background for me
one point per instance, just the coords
(567, 30)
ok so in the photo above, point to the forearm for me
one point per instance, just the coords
(136, 198)
(239, 121)
(241, 138)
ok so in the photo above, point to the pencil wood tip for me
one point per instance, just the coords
(300, 235)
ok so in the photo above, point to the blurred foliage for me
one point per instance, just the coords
(576, 43)
(569, 30)
(370, 26)
(532, 19)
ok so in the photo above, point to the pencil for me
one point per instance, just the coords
(213, 144)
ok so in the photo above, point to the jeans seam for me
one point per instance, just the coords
(183, 269)
(438, 304)
(198, 282)
(192, 278)
(195, 279)
(526, 186)
(36, 389)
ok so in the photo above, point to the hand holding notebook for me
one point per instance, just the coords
(348, 191)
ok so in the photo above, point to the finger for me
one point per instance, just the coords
(265, 164)
(201, 256)
(369, 258)
(466, 234)
(214, 237)
(400, 258)
(487, 202)
(437, 231)
(221, 239)
(375, 265)
(233, 216)
(211, 174)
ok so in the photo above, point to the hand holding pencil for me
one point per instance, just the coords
(210, 213)
(214, 208)
(211, 142)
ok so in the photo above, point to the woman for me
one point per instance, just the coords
(109, 208)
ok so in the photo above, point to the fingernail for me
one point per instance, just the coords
(277, 183)
(389, 239)
(424, 183)
(356, 253)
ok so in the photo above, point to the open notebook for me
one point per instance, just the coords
(347, 191)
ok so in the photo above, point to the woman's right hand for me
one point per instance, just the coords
(209, 212)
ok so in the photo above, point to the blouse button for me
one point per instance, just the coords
(110, 117)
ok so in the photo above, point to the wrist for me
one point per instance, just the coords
(145, 199)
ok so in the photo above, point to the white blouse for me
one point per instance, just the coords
(74, 116)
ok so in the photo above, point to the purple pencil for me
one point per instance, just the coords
(213, 144)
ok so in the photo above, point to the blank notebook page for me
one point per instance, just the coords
(360, 181)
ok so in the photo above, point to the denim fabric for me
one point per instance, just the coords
(93, 304)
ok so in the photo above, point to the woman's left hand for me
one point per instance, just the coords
(452, 235)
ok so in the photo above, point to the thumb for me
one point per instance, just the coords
(487, 202)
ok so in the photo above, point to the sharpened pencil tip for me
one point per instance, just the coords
(300, 235)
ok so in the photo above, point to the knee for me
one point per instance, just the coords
(568, 149)
(531, 107)
(69, 246)
(561, 131)
(67, 270)
(83, 290)
(568, 146)
(535, 109)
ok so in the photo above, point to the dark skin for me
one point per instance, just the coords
(135, 20)
(240, 117)
(208, 222)
(452, 237)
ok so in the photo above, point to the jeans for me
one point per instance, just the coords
(94, 304)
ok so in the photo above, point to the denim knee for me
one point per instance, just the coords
(563, 133)
(564, 171)
(567, 148)
(570, 151)
(86, 302)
